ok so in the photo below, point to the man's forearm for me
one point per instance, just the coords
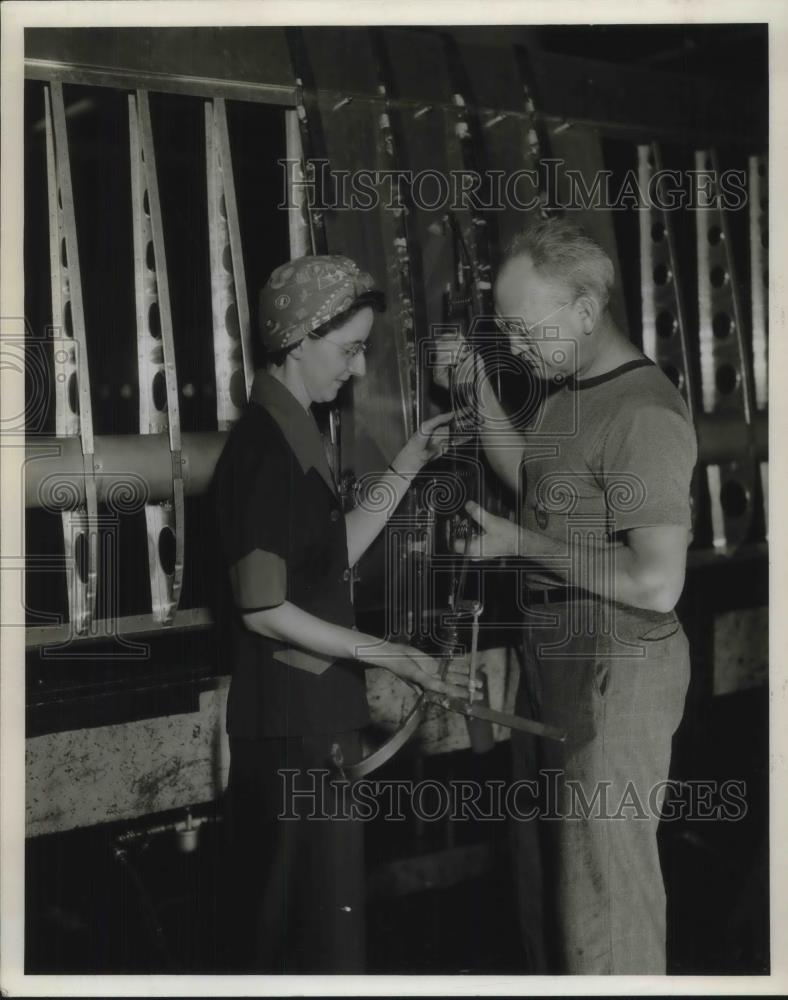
(503, 444)
(612, 571)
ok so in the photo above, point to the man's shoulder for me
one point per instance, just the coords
(648, 388)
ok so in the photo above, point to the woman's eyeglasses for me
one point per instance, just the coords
(351, 351)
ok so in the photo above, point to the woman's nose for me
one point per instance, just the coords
(358, 365)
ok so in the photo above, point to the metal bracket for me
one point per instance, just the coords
(758, 174)
(74, 415)
(724, 364)
(159, 407)
(231, 336)
(664, 316)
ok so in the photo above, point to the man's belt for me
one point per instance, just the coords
(558, 595)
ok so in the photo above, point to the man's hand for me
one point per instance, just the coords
(499, 536)
(418, 668)
(452, 351)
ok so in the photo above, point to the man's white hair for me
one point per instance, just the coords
(561, 250)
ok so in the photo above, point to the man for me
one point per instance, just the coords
(602, 476)
(297, 699)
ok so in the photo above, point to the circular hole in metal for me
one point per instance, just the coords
(238, 389)
(718, 276)
(167, 550)
(658, 232)
(666, 324)
(73, 393)
(150, 256)
(231, 323)
(154, 320)
(146, 203)
(674, 375)
(662, 274)
(157, 354)
(159, 390)
(733, 498)
(68, 319)
(81, 555)
(714, 235)
(727, 379)
(722, 325)
(227, 258)
(63, 254)
(60, 198)
(222, 207)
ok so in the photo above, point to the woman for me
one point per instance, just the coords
(297, 699)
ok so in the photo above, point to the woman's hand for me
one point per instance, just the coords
(430, 441)
(418, 668)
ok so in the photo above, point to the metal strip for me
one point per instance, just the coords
(759, 274)
(298, 210)
(231, 334)
(159, 409)
(759, 286)
(724, 364)
(474, 223)
(74, 413)
(239, 271)
(664, 316)
(189, 618)
(312, 140)
(395, 226)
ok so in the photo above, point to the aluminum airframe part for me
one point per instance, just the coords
(726, 378)
(664, 316)
(159, 410)
(74, 414)
(232, 346)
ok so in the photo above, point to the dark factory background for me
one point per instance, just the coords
(126, 755)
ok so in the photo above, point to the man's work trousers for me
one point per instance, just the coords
(590, 888)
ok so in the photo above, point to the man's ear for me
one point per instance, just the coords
(298, 350)
(589, 312)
